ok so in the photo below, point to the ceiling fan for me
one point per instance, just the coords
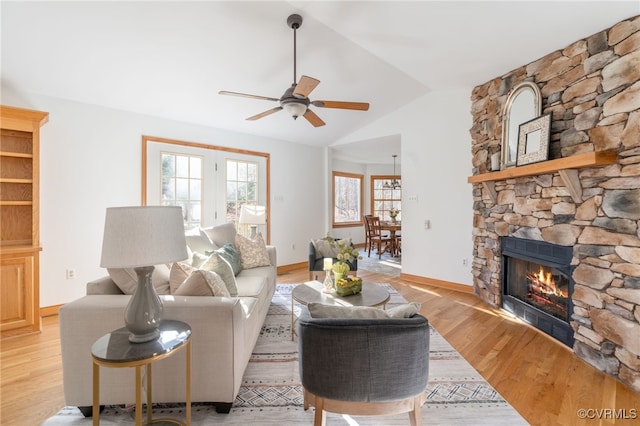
(295, 99)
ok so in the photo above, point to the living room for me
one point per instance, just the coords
(91, 160)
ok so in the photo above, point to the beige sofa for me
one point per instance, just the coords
(224, 332)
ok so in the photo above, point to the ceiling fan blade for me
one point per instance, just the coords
(265, 113)
(359, 106)
(313, 118)
(245, 95)
(305, 86)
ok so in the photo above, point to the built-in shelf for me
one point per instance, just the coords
(15, 154)
(566, 167)
(15, 180)
(16, 203)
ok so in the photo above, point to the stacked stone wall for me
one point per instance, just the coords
(592, 90)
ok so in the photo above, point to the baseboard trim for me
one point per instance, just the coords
(283, 269)
(49, 311)
(462, 288)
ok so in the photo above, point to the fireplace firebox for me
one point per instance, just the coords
(537, 285)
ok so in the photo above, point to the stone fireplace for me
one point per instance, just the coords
(591, 88)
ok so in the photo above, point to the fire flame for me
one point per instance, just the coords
(544, 283)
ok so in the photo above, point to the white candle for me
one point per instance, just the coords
(328, 263)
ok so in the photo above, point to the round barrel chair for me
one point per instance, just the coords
(364, 366)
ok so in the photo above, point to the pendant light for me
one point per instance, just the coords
(394, 184)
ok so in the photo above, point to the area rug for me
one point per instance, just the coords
(386, 265)
(271, 393)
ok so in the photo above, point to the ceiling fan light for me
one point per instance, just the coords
(295, 109)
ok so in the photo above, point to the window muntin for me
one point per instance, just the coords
(241, 188)
(347, 199)
(383, 199)
(182, 185)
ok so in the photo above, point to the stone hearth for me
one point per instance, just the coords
(592, 90)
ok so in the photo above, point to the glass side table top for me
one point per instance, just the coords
(115, 346)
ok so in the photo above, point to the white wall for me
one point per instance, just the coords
(91, 160)
(436, 161)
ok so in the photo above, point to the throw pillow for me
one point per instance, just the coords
(220, 266)
(202, 283)
(222, 234)
(404, 311)
(253, 253)
(127, 279)
(199, 241)
(180, 271)
(231, 255)
(319, 310)
(325, 248)
(197, 259)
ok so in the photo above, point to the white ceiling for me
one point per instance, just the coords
(170, 59)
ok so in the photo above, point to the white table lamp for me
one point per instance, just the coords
(139, 238)
(253, 216)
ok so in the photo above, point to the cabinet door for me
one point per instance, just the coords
(17, 293)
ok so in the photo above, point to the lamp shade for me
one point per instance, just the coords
(143, 236)
(253, 215)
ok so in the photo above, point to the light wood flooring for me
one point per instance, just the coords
(542, 379)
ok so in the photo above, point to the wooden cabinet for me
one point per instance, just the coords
(19, 220)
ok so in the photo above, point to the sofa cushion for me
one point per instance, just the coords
(202, 283)
(216, 263)
(127, 279)
(250, 286)
(253, 252)
(198, 241)
(231, 255)
(319, 310)
(222, 234)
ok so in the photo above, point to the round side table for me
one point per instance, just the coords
(115, 351)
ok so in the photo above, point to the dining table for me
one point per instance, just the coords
(393, 228)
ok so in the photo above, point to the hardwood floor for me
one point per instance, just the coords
(539, 377)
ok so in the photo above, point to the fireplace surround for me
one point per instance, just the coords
(537, 285)
(591, 87)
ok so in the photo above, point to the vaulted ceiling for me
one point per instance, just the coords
(170, 59)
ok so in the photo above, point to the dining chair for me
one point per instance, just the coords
(367, 236)
(376, 237)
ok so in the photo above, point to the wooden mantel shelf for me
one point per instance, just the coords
(566, 167)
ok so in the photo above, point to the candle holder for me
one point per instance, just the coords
(328, 282)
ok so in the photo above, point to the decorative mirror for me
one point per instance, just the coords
(524, 103)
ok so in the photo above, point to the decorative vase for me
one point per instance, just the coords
(328, 283)
(340, 270)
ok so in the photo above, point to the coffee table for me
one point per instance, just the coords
(312, 291)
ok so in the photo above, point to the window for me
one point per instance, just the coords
(242, 188)
(347, 199)
(209, 182)
(383, 199)
(182, 185)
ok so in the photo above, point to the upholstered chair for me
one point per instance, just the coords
(364, 366)
(316, 263)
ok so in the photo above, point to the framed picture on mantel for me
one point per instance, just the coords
(533, 140)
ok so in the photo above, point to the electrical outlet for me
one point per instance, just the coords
(427, 224)
(413, 198)
(71, 274)
(465, 261)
